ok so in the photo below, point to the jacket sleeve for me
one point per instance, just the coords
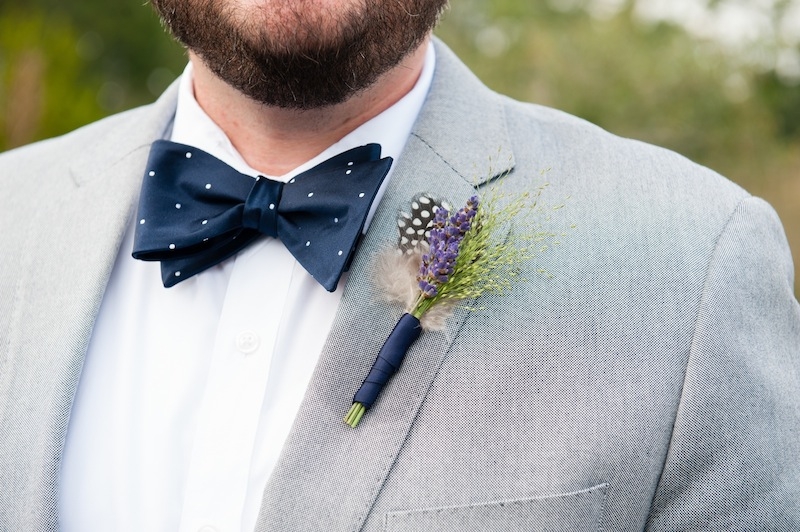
(734, 456)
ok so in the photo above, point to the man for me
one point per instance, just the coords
(651, 383)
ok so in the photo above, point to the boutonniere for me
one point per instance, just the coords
(445, 258)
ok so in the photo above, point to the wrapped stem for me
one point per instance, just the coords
(386, 364)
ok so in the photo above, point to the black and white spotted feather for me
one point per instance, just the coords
(414, 227)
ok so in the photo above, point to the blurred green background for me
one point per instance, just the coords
(716, 80)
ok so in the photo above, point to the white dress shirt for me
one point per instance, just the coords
(188, 393)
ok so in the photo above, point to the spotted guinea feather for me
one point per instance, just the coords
(413, 227)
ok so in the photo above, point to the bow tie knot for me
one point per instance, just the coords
(261, 206)
(196, 211)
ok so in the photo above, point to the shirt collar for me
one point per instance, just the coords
(390, 129)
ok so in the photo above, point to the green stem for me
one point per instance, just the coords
(355, 414)
(422, 306)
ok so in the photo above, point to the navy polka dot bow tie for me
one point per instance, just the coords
(195, 211)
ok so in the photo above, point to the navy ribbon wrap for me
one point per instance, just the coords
(389, 358)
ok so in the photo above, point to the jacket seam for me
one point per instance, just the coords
(692, 343)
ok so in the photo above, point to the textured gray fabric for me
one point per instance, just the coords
(652, 383)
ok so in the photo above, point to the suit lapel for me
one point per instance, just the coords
(329, 474)
(58, 300)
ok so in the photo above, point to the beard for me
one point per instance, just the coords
(298, 54)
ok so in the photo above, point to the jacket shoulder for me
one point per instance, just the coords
(39, 156)
(615, 172)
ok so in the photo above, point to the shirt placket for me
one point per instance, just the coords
(228, 418)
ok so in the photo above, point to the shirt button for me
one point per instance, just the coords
(247, 342)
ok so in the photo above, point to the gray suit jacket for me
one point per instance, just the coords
(653, 382)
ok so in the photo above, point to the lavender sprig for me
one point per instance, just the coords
(439, 263)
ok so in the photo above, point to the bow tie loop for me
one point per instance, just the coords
(260, 209)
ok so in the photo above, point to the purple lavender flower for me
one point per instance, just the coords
(445, 238)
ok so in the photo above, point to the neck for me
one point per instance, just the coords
(275, 140)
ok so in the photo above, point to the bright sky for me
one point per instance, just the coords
(745, 27)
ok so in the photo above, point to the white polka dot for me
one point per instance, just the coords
(188, 155)
(361, 195)
(172, 246)
(152, 173)
(341, 253)
(291, 180)
(272, 206)
(141, 222)
(425, 199)
(310, 194)
(205, 240)
(336, 220)
(425, 214)
(415, 206)
(177, 274)
(204, 222)
(350, 163)
(308, 243)
(177, 205)
(208, 186)
(349, 172)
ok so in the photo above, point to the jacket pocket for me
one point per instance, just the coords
(578, 510)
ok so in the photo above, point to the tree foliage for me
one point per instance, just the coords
(64, 64)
